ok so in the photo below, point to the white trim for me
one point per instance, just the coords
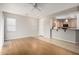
(59, 39)
(20, 37)
(63, 40)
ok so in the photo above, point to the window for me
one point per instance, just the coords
(11, 24)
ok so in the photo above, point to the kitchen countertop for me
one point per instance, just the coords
(67, 28)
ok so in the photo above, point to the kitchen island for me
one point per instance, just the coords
(70, 35)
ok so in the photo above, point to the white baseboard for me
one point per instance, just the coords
(63, 40)
(20, 37)
(59, 39)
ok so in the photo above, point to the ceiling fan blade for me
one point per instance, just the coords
(38, 9)
(35, 6)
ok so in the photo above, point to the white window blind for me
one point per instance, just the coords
(11, 24)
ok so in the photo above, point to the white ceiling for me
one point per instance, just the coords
(26, 8)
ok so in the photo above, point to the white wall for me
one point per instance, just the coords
(1, 29)
(25, 26)
(41, 27)
(44, 27)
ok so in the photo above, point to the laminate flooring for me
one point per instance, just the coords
(33, 46)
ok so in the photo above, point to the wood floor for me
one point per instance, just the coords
(33, 46)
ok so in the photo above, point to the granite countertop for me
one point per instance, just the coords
(73, 28)
(68, 28)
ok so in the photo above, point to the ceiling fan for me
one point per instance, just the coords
(35, 6)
